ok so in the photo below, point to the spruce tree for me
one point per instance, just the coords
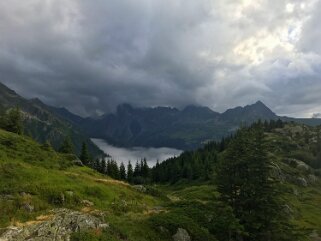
(12, 121)
(130, 172)
(122, 171)
(116, 173)
(103, 166)
(66, 146)
(187, 172)
(84, 155)
(47, 146)
(112, 169)
(244, 183)
(144, 168)
(137, 170)
(109, 168)
(175, 173)
(98, 167)
(155, 172)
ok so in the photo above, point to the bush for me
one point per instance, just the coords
(317, 173)
(176, 219)
(12, 121)
(84, 236)
(109, 234)
(304, 156)
(156, 193)
(216, 217)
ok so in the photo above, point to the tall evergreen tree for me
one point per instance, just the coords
(47, 146)
(155, 172)
(112, 169)
(244, 182)
(122, 171)
(144, 168)
(66, 146)
(116, 173)
(103, 166)
(137, 170)
(109, 168)
(130, 172)
(84, 155)
(12, 121)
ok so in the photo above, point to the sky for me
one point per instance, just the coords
(90, 56)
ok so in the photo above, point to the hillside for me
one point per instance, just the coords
(295, 153)
(39, 186)
(42, 123)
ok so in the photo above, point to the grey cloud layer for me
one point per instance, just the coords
(92, 55)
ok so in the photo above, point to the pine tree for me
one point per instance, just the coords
(187, 172)
(137, 170)
(244, 183)
(122, 171)
(47, 146)
(144, 168)
(109, 168)
(175, 173)
(67, 146)
(92, 163)
(130, 172)
(116, 174)
(84, 155)
(103, 166)
(98, 166)
(112, 169)
(155, 172)
(12, 121)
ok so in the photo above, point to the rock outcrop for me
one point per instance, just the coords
(301, 181)
(315, 236)
(181, 235)
(57, 226)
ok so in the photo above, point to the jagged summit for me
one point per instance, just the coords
(249, 113)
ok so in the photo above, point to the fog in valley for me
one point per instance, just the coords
(122, 154)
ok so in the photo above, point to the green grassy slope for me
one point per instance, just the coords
(293, 150)
(31, 174)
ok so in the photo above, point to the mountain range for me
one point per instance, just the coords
(183, 129)
(130, 126)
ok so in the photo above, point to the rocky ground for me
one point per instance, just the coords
(58, 225)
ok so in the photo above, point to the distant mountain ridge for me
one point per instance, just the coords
(167, 126)
(184, 129)
(130, 126)
(43, 123)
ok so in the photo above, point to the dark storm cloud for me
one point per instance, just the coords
(92, 55)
